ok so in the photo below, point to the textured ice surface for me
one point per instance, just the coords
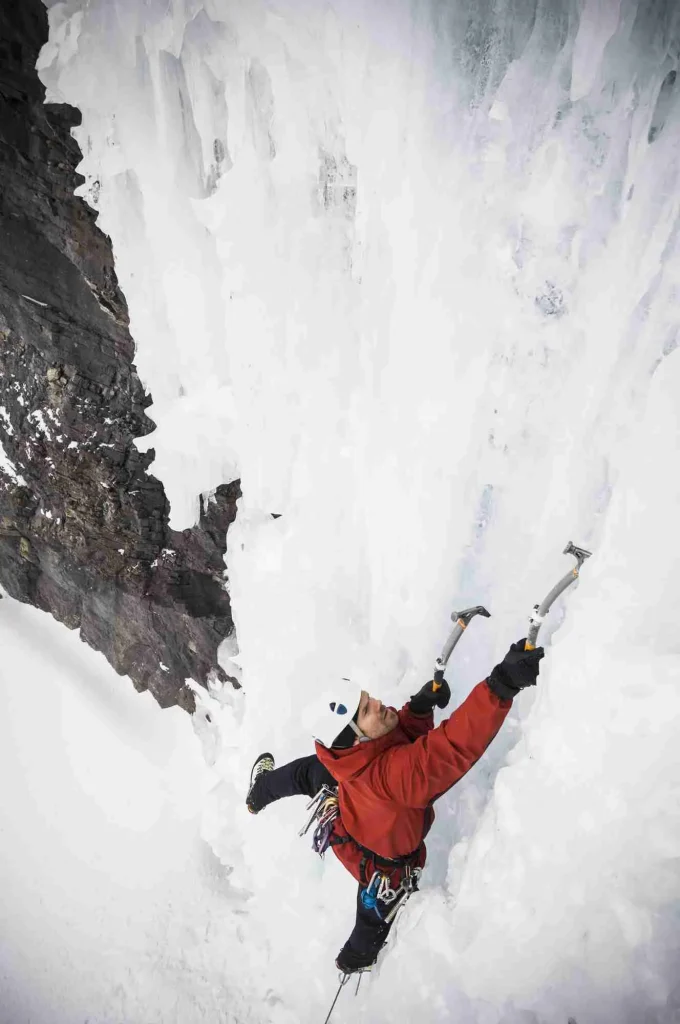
(411, 271)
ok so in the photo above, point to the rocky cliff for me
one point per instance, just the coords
(83, 526)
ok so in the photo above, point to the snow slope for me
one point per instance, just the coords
(411, 272)
(112, 907)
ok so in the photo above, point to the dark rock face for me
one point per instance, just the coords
(83, 527)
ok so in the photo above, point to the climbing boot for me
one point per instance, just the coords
(350, 962)
(264, 763)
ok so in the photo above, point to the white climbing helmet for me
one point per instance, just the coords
(332, 710)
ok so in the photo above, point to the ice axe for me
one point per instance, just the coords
(541, 610)
(462, 620)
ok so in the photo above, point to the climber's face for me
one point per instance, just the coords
(373, 718)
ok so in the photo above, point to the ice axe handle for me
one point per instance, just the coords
(541, 610)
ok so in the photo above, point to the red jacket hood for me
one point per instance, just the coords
(346, 765)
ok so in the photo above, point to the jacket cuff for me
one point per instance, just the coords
(420, 710)
(498, 685)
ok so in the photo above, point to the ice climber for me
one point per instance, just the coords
(382, 771)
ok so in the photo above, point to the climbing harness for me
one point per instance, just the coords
(378, 895)
(324, 811)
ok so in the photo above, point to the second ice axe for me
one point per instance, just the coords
(541, 610)
(462, 620)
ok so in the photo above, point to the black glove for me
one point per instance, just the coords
(519, 668)
(422, 702)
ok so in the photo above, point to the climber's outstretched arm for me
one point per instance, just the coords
(416, 774)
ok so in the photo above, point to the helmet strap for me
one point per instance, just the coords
(363, 738)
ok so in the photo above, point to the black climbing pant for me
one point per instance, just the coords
(305, 777)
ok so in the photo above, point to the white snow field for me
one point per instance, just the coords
(112, 907)
(411, 271)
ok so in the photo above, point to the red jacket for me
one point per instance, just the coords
(386, 786)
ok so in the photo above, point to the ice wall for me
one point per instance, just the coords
(411, 271)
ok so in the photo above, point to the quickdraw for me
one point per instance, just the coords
(324, 811)
(379, 890)
(407, 886)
